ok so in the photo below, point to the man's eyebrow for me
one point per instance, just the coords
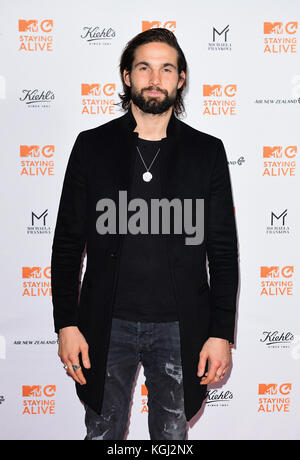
(169, 64)
(166, 64)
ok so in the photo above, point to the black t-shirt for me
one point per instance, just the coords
(144, 290)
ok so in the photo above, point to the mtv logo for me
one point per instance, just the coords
(146, 25)
(31, 391)
(170, 25)
(144, 390)
(269, 272)
(212, 90)
(30, 25)
(270, 389)
(29, 150)
(272, 152)
(31, 272)
(90, 90)
(273, 28)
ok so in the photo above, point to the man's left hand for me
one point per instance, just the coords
(217, 352)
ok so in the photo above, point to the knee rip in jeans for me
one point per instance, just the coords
(100, 437)
(173, 426)
(177, 412)
(174, 371)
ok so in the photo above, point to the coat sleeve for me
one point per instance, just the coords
(222, 250)
(69, 240)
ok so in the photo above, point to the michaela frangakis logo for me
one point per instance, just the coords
(39, 224)
(220, 41)
(278, 223)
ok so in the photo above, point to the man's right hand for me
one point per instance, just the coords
(71, 343)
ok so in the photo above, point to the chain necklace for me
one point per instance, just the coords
(147, 176)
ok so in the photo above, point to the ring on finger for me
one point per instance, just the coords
(75, 367)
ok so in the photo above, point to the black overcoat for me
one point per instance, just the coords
(193, 165)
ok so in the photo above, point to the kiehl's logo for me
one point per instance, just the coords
(35, 98)
(218, 397)
(219, 99)
(37, 160)
(277, 281)
(38, 281)
(275, 339)
(98, 98)
(39, 399)
(279, 37)
(97, 35)
(35, 35)
(274, 397)
(170, 25)
(279, 161)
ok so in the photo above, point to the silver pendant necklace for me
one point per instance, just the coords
(147, 176)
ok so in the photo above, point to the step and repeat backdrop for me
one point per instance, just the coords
(59, 76)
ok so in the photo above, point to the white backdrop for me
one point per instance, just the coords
(251, 52)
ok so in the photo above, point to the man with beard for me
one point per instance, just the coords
(177, 332)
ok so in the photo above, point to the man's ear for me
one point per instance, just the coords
(126, 77)
(181, 79)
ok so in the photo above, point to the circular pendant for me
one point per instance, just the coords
(147, 176)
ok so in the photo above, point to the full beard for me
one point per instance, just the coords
(153, 104)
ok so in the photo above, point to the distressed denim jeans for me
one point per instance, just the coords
(157, 347)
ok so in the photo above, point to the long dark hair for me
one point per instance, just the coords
(148, 36)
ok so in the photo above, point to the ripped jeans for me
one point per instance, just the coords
(157, 347)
